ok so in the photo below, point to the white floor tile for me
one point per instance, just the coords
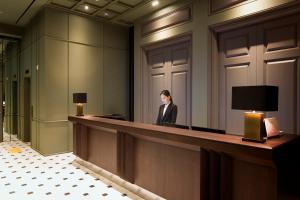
(29, 175)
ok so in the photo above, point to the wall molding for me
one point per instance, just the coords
(170, 19)
(216, 7)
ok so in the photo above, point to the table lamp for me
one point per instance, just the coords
(79, 99)
(255, 98)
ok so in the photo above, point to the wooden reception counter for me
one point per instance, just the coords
(180, 164)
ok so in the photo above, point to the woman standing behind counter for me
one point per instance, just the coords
(167, 111)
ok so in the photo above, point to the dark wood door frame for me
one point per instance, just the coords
(213, 65)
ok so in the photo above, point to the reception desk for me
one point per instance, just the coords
(180, 164)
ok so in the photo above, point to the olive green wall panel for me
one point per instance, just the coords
(53, 138)
(116, 81)
(53, 93)
(115, 36)
(25, 64)
(34, 62)
(69, 52)
(56, 24)
(34, 134)
(85, 75)
(86, 31)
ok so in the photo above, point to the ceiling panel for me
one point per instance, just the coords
(119, 8)
(65, 3)
(85, 8)
(117, 11)
(11, 11)
(131, 3)
(99, 3)
(106, 14)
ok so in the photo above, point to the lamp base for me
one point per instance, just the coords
(254, 128)
(79, 110)
(253, 140)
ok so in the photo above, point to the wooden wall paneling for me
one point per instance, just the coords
(76, 139)
(252, 181)
(204, 174)
(166, 168)
(185, 164)
(182, 166)
(226, 177)
(102, 148)
(80, 140)
(298, 96)
(125, 157)
(214, 173)
(150, 172)
(84, 131)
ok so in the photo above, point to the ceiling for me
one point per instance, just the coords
(11, 11)
(125, 12)
(117, 11)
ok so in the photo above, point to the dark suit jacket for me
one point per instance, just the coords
(169, 118)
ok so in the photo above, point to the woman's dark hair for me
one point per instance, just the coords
(167, 94)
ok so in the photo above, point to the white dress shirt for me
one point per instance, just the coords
(165, 108)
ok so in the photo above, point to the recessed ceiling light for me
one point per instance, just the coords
(155, 3)
(86, 7)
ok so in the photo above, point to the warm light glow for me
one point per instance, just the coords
(155, 3)
(105, 14)
(86, 7)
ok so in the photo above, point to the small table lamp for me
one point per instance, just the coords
(255, 98)
(79, 99)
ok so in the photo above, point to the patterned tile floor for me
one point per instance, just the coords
(29, 175)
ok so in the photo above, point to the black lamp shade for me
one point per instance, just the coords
(79, 98)
(258, 98)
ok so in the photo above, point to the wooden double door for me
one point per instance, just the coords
(168, 68)
(263, 54)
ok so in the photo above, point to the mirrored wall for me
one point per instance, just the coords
(9, 89)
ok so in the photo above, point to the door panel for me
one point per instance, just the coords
(283, 74)
(281, 52)
(157, 85)
(271, 53)
(169, 68)
(235, 76)
(180, 81)
(237, 68)
(180, 94)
